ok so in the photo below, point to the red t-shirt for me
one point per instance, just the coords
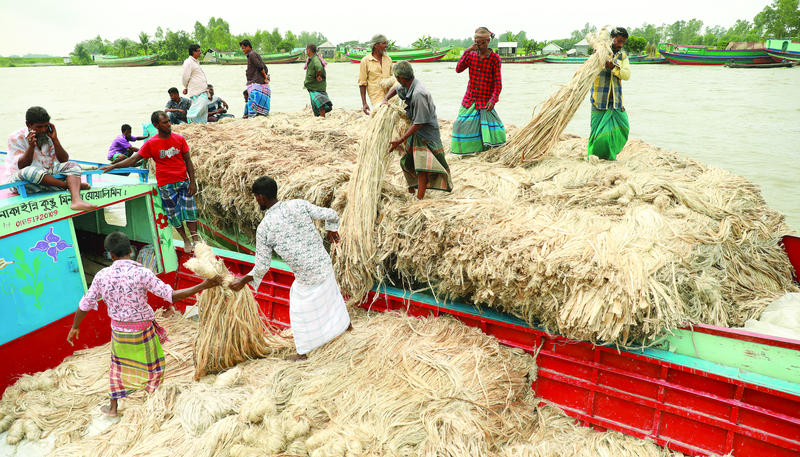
(168, 156)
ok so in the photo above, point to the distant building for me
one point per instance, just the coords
(327, 50)
(582, 47)
(67, 60)
(552, 48)
(507, 48)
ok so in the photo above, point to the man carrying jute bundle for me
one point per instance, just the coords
(423, 163)
(137, 360)
(316, 307)
(375, 67)
(610, 126)
(478, 127)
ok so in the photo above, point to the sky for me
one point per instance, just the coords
(55, 26)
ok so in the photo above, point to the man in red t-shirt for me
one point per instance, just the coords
(174, 175)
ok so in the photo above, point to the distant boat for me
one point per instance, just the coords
(411, 55)
(239, 58)
(784, 49)
(645, 59)
(787, 64)
(566, 59)
(114, 61)
(522, 59)
(701, 55)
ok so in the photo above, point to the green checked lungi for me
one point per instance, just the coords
(178, 204)
(424, 155)
(476, 130)
(320, 100)
(609, 133)
(137, 361)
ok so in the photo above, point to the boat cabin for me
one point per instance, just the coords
(507, 48)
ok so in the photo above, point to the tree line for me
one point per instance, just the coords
(781, 19)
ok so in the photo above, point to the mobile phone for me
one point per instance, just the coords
(49, 128)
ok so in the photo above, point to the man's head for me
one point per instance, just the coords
(38, 121)
(161, 122)
(404, 73)
(619, 36)
(246, 95)
(379, 42)
(482, 37)
(194, 50)
(245, 46)
(210, 91)
(266, 191)
(311, 49)
(126, 129)
(118, 245)
(174, 95)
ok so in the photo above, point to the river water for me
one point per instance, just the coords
(746, 121)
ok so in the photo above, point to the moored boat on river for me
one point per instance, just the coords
(781, 50)
(701, 55)
(114, 61)
(523, 59)
(566, 59)
(411, 55)
(239, 58)
(646, 59)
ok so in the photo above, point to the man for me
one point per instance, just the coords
(174, 175)
(375, 67)
(316, 82)
(195, 86)
(137, 359)
(177, 107)
(121, 147)
(258, 92)
(316, 308)
(610, 125)
(35, 154)
(478, 127)
(217, 108)
(423, 163)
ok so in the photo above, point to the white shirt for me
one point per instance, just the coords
(194, 80)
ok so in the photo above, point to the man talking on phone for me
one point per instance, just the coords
(35, 154)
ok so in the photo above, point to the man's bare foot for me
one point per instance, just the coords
(106, 409)
(82, 206)
(411, 190)
(297, 357)
(85, 186)
(188, 247)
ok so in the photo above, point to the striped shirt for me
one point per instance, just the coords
(607, 87)
(485, 82)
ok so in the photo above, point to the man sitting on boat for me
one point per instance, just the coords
(316, 307)
(375, 67)
(121, 147)
(423, 163)
(177, 106)
(195, 86)
(478, 127)
(258, 92)
(174, 175)
(217, 108)
(610, 125)
(35, 154)
(137, 360)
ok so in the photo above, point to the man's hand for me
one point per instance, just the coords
(52, 132)
(489, 106)
(365, 109)
(108, 168)
(192, 189)
(333, 236)
(473, 47)
(395, 144)
(610, 65)
(238, 283)
(31, 139)
(73, 332)
(385, 101)
(185, 90)
(213, 282)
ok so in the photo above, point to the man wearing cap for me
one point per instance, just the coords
(375, 68)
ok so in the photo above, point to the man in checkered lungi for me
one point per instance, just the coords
(174, 175)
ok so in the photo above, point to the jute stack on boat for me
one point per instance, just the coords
(376, 390)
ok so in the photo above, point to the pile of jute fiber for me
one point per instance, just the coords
(394, 385)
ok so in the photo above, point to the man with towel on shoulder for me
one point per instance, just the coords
(478, 127)
(610, 125)
(375, 68)
(316, 308)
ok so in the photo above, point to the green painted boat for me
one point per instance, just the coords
(701, 55)
(566, 59)
(781, 50)
(411, 55)
(238, 58)
(114, 61)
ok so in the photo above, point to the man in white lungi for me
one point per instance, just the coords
(316, 307)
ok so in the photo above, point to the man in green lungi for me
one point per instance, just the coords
(316, 82)
(609, 121)
(478, 127)
(423, 163)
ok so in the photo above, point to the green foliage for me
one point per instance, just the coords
(81, 55)
(144, 41)
(426, 42)
(635, 45)
(779, 20)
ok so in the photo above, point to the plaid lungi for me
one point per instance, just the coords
(317, 313)
(137, 362)
(424, 155)
(320, 100)
(178, 204)
(198, 113)
(35, 175)
(258, 98)
(476, 130)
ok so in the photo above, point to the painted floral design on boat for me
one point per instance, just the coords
(51, 245)
(162, 220)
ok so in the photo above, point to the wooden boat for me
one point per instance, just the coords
(701, 55)
(566, 59)
(114, 61)
(701, 390)
(781, 50)
(788, 64)
(645, 59)
(523, 59)
(411, 55)
(239, 58)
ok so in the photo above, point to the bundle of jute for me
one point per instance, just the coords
(355, 257)
(540, 134)
(232, 328)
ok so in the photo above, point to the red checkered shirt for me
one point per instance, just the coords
(485, 82)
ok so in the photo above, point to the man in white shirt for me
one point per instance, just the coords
(195, 86)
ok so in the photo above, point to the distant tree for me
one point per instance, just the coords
(81, 54)
(144, 41)
(779, 20)
(200, 34)
(426, 42)
(635, 45)
(123, 46)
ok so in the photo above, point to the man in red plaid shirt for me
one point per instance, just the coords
(478, 127)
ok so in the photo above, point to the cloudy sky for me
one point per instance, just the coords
(55, 26)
